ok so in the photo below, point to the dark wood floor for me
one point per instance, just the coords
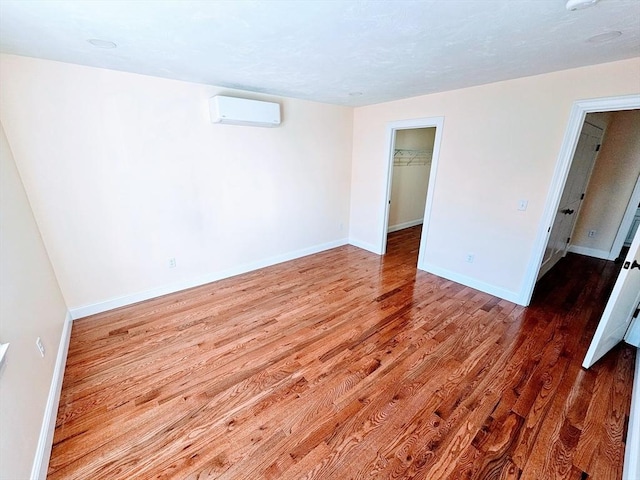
(347, 365)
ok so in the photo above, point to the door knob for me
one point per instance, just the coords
(629, 265)
(567, 211)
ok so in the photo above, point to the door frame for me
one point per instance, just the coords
(392, 127)
(577, 116)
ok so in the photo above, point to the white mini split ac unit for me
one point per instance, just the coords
(241, 111)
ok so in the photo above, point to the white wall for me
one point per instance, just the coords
(125, 171)
(31, 306)
(409, 185)
(500, 144)
(612, 181)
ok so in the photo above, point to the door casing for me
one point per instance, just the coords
(577, 116)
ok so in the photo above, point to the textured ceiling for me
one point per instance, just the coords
(323, 50)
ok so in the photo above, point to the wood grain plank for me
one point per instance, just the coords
(347, 365)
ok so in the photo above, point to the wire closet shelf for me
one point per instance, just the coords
(404, 157)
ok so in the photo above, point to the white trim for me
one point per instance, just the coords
(472, 282)
(92, 309)
(391, 145)
(632, 337)
(365, 246)
(631, 468)
(402, 226)
(577, 115)
(627, 220)
(589, 252)
(45, 442)
(430, 122)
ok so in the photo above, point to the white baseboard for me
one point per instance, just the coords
(473, 283)
(86, 310)
(45, 442)
(402, 226)
(631, 469)
(365, 246)
(589, 252)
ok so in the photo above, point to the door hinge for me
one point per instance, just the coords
(635, 314)
(548, 229)
(568, 239)
(582, 197)
(598, 148)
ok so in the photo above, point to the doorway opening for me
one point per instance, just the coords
(577, 117)
(599, 202)
(413, 151)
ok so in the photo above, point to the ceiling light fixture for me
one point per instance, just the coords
(96, 42)
(604, 37)
(573, 5)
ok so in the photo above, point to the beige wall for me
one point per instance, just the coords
(31, 306)
(612, 181)
(125, 171)
(500, 144)
(409, 183)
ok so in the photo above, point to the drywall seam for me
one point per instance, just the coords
(45, 442)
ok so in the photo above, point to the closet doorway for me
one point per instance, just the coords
(413, 155)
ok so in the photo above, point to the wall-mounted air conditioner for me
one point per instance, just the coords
(241, 111)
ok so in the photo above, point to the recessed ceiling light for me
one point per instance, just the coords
(573, 5)
(96, 42)
(355, 94)
(604, 37)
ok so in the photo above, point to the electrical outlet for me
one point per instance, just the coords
(470, 257)
(172, 262)
(592, 233)
(522, 205)
(40, 347)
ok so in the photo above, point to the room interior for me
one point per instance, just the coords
(117, 188)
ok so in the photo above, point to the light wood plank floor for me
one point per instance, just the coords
(347, 365)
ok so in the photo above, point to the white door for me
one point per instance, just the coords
(620, 308)
(574, 189)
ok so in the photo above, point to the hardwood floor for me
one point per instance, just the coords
(347, 365)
